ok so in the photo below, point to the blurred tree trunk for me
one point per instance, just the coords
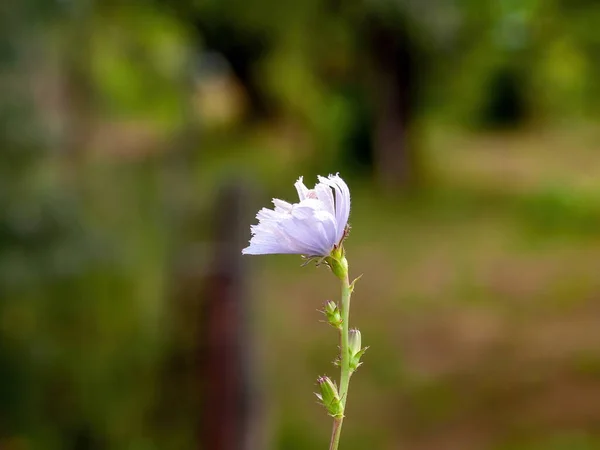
(395, 60)
(209, 382)
(229, 410)
(78, 82)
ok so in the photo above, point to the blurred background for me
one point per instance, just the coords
(139, 138)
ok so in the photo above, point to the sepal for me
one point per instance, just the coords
(354, 281)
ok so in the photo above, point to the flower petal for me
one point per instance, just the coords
(267, 238)
(282, 206)
(267, 249)
(301, 188)
(325, 195)
(328, 228)
(303, 229)
(342, 201)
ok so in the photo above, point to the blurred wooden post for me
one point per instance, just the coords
(230, 406)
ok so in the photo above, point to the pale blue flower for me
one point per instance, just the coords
(312, 227)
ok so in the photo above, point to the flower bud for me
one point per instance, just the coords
(332, 312)
(354, 341)
(355, 352)
(329, 397)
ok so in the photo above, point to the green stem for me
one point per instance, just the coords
(344, 361)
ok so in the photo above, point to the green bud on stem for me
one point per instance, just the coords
(330, 397)
(333, 314)
(354, 349)
(354, 341)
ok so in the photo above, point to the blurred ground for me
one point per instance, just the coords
(479, 301)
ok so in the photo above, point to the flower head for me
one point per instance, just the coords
(314, 226)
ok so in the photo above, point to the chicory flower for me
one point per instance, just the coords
(314, 227)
